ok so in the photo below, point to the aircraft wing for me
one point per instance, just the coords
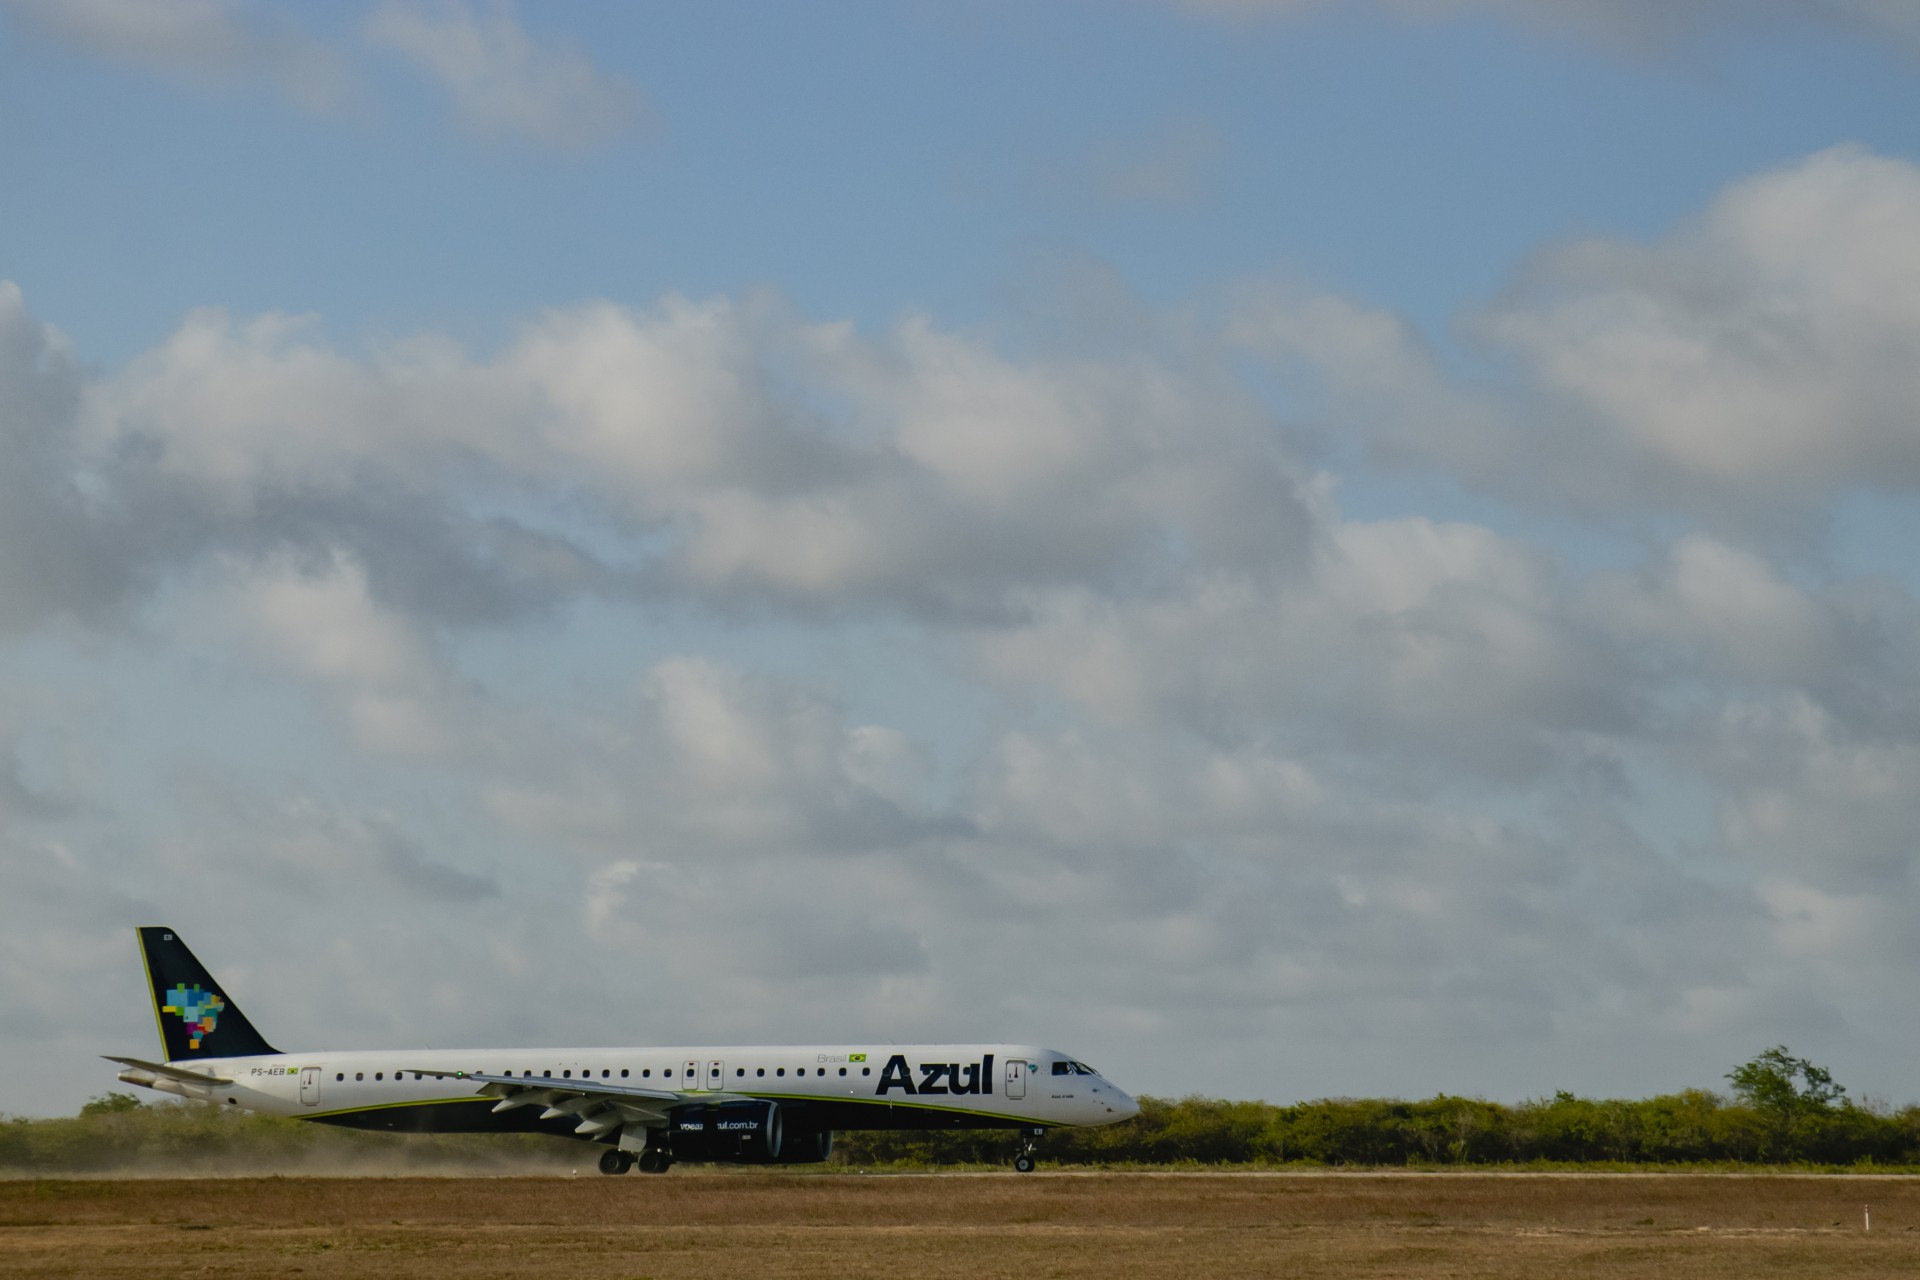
(599, 1105)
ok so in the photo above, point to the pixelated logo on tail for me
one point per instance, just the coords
(198, 1008)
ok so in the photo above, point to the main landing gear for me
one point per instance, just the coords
(1023, 1161)
(652, 1160)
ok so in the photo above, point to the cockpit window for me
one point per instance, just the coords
(1063, 1068)
(1082, 1069)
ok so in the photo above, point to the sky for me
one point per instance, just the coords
(1287, 549)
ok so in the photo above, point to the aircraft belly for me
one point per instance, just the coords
(446, 1116)
(833, 1113)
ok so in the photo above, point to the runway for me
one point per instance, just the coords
(690, 1225)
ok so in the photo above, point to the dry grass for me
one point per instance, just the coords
(690, 1225)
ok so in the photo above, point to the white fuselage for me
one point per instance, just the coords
(996, 1083)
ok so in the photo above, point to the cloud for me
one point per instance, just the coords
(213, 43)
(1626, 25)
(301, 846)
(944, 479)
(319, 619)
(1731, 612)
(1748, 367)
(67, 549)
(1424, 642)
(1791, 776)
(504, 82)
(1239, 768)
(713, 760)
(1175, 166)
(20, 799)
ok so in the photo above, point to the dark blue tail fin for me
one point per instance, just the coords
(196, 1018)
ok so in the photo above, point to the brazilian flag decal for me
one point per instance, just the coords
(856, 1057)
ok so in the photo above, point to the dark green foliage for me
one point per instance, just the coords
(1694, 1127)
(1795, 1100)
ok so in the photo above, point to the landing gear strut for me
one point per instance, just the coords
(615, 1161)
(1023, 1161)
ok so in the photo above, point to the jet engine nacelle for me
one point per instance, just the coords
(805, 1146)
(743, 1131)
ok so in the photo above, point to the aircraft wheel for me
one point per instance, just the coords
(652, 1161)
(615, 1161)
(1023, 1163)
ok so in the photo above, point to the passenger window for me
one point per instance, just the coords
(339, 1075)
(779, 1071)
(738, 1072)
(379, 1075)
(546, 1075)
(866, 1071)
(623, 1073)
(359, 1075)
(646, 1073)
(760, 1071)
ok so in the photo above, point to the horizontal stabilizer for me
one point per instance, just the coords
(171, 1073)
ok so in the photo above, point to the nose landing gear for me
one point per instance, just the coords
(1023, 1160)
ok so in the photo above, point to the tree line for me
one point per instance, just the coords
(1780, 1109)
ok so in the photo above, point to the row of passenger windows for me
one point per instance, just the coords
(646, 1073)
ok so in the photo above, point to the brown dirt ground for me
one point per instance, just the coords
(690, 1225)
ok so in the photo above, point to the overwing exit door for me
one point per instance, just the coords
(1016, 1078)
(716, 1074)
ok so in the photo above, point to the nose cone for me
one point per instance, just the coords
(1121, 1107)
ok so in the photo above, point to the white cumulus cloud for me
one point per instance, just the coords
(209, 42)
(504, 81)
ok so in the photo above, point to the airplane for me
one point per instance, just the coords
(739, 1104)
